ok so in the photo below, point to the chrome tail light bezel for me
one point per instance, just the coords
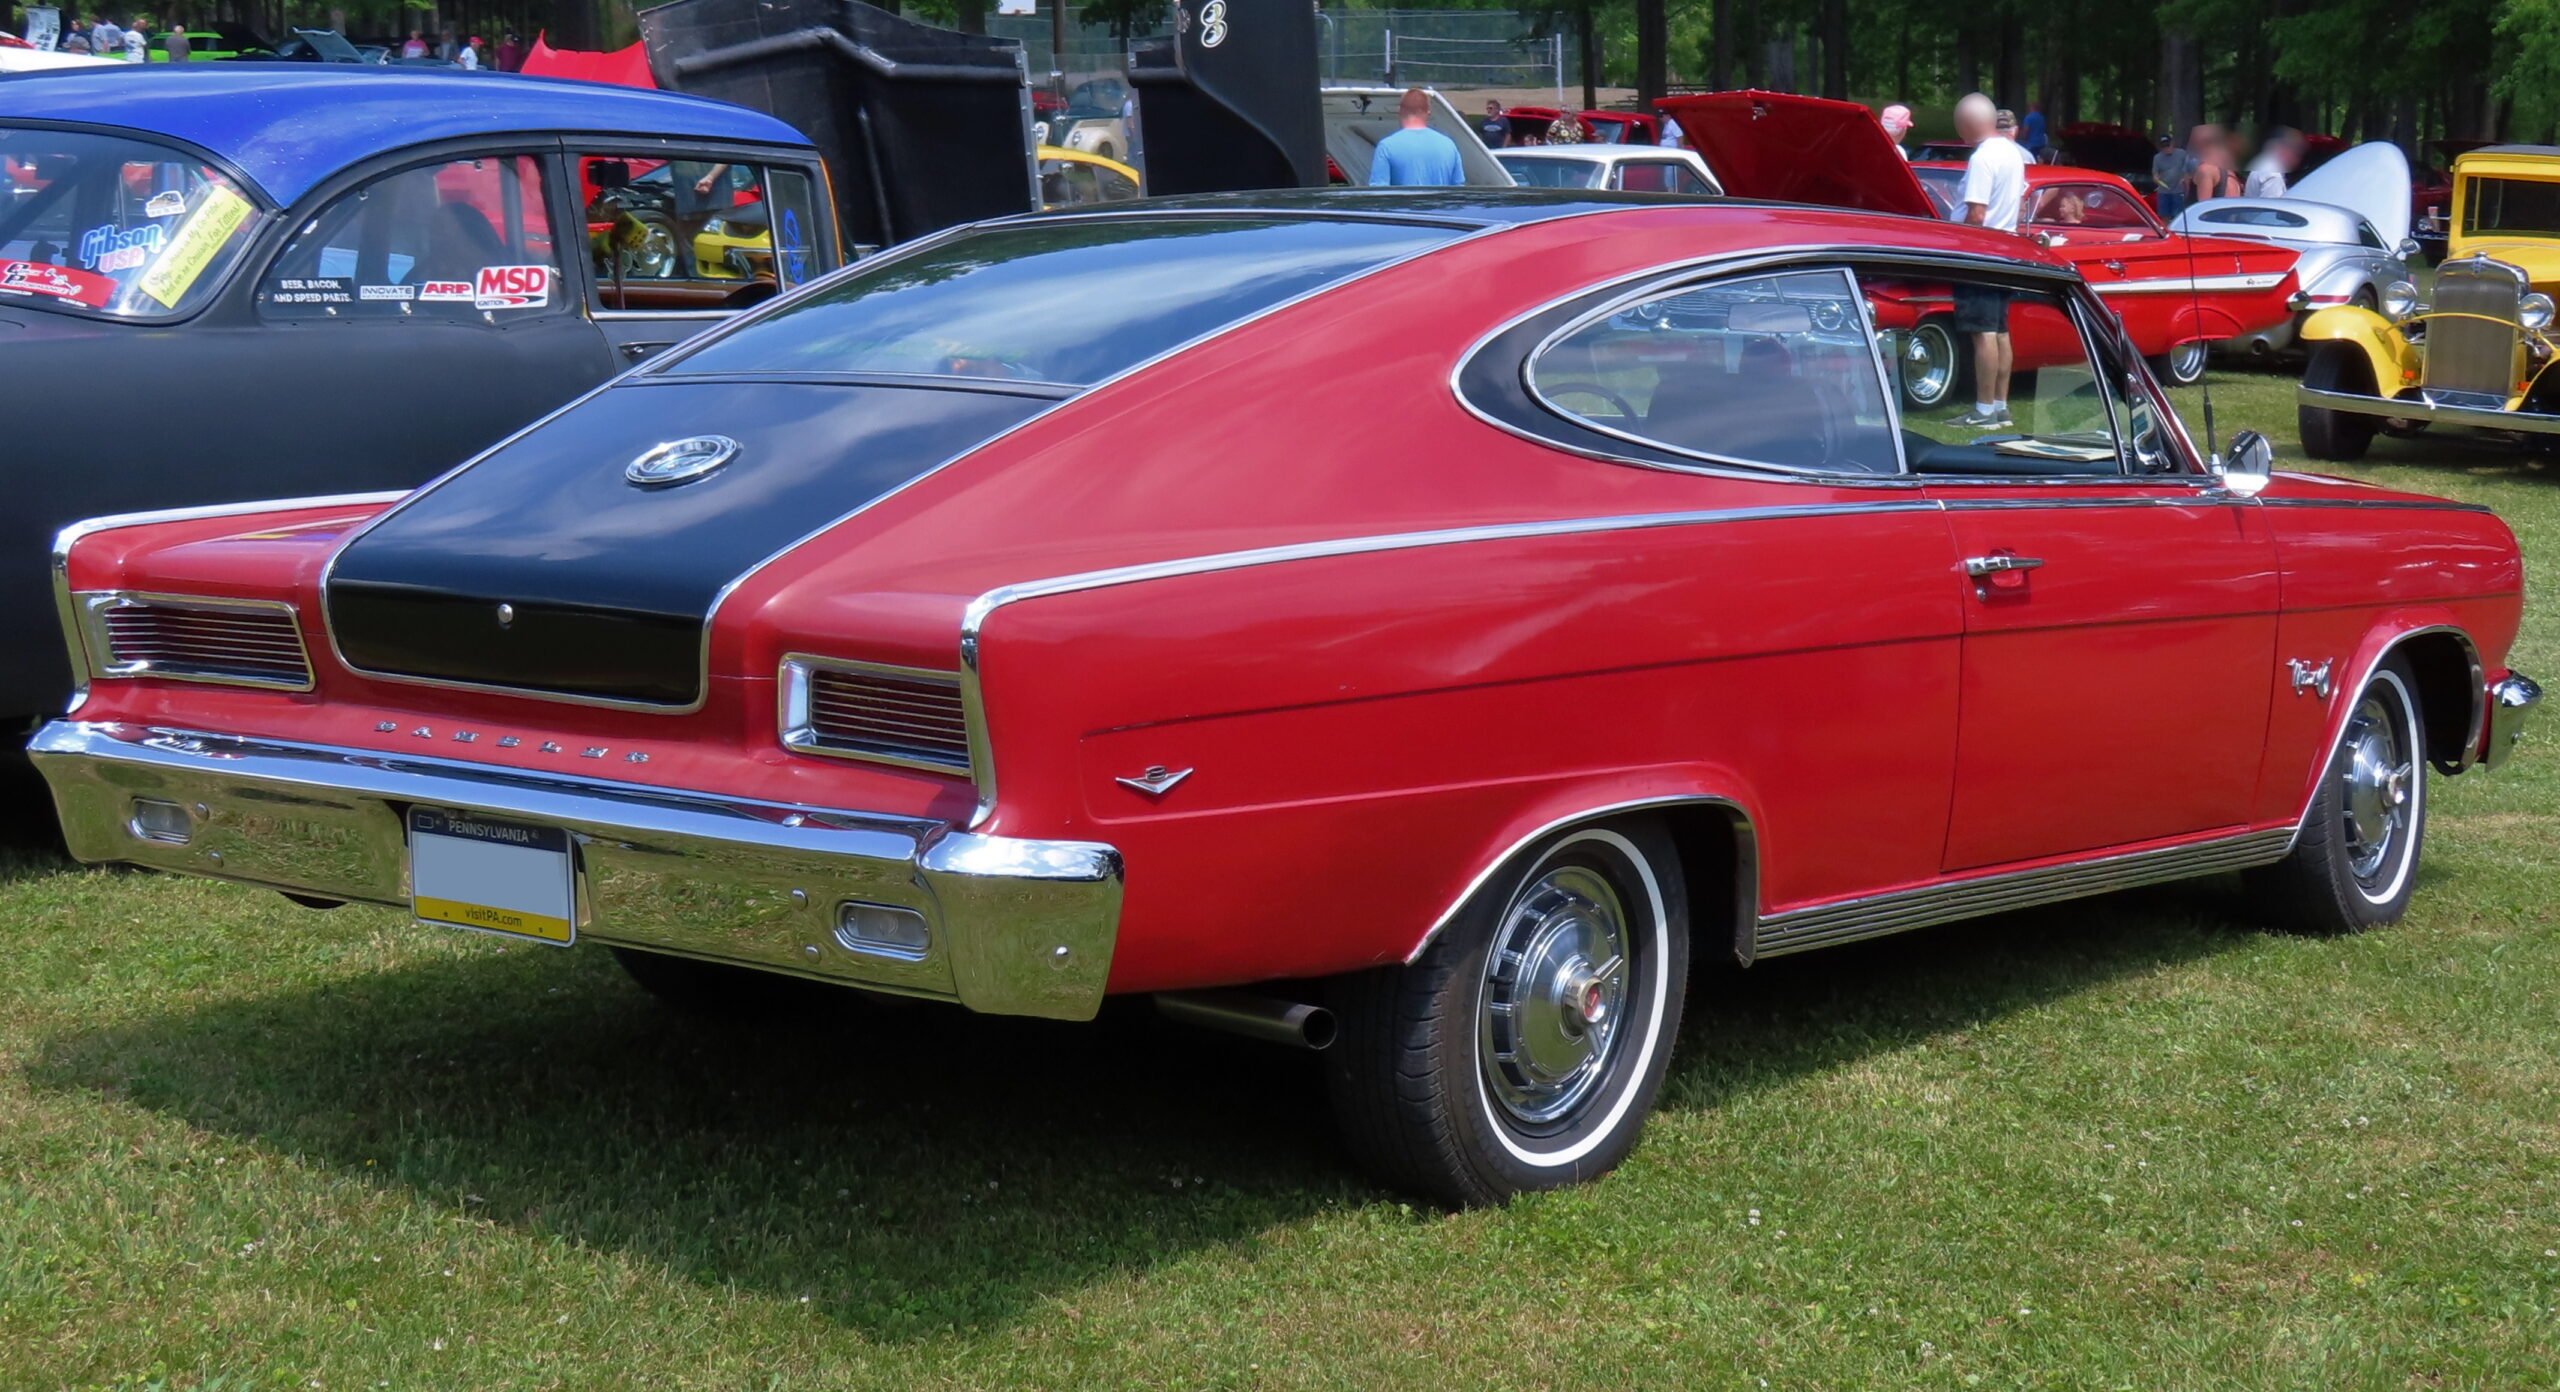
(100, 645)
(801, 726)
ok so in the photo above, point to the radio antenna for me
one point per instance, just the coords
(2195, 314)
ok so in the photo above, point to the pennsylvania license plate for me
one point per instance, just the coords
(497, 877)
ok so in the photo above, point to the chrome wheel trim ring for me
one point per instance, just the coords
(1928, 365)
(2186, 362)
(1553, 996)
(2382, 791)
(655, 257)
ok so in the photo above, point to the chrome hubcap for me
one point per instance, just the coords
(1555, 987)
(1928, 365)
(2186, 361)
(656, 254)
(2381, 785)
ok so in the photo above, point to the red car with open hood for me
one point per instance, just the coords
(1421, 622)
(2176, 294)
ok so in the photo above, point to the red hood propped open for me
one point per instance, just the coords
(1793, 149)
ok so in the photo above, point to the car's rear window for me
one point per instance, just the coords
(1070, 302)
(1552, 173)
(114, 226)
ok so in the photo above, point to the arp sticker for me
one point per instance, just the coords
(110, 249)
(446, 290)
(167, 204)
(192, 247)
(55, 283)
(512, 287)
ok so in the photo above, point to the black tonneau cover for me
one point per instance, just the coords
(921, 128)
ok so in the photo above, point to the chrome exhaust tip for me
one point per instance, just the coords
(1253, 1015)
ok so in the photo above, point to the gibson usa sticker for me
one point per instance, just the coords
(168, 204)
(111, 249)
(512, 287)
(192, 247)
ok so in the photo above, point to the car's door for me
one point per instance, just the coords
(679, 237)
(1650, 175)
(412, 316)
(2120, 607)
(2120, 248)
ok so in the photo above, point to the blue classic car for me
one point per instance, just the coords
(226, 282)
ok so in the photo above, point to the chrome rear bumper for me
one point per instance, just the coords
(2412, 407)
(2511, 702)
(1016, 927)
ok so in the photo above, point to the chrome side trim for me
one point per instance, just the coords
(95, 605)
(2384, 504)
(2412, 408)
(1016, 926)
(1746, 886)
(2234, 281)
(1826, 925)
(973, 621)
(658, 367)
(798, 730)
(67, 538)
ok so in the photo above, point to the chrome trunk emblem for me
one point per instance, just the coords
(1156, 781)
(679, 461)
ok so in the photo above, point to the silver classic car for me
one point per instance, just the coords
(2349, 219)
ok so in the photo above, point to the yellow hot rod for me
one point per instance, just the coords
(2478, 349)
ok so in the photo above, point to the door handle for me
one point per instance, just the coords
(1980, 566)
(637, 351)
(2115, 266)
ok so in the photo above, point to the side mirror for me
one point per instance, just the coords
(2245, 469)
(2408, 249)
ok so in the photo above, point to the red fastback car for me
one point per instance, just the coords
(1419, 621)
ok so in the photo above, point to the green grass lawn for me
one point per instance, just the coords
(2128, 1143)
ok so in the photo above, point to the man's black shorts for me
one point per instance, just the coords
(1981, 309)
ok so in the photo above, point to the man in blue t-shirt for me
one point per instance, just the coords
(1417, 154)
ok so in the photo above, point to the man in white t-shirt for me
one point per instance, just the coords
(1995, 191)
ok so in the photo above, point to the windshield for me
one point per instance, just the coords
(1552, 173)
(109, 225)
(1069, 302)
(2511, 207)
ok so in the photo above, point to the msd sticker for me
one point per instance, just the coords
(512, 287)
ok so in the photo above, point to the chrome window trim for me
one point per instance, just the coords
(99, 643)
(798, 734)
(1544, 346)
(655, 366)
(67, 611)
(1848, 255)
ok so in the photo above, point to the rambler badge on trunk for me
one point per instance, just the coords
(680, 461)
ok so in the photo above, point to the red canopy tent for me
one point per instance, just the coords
(628, 67)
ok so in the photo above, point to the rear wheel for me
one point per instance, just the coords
(1931, 368)
(2328, 434)
(2182, 366)
(2354, 864)
(1524, 1048)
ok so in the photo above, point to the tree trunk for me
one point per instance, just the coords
(970, 16)
(2012, 76)
(1835, 49)
(1968, 59)
(1720, 65)
(1590, 57)
(1653, 50)
(2181, 105)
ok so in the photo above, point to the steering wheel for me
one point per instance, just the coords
(1626, 410)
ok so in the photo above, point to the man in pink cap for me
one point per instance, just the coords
(1896, 120)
